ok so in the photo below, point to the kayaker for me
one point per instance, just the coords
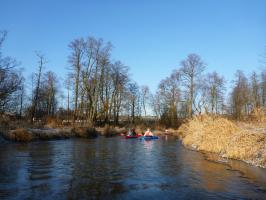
(129, 133)
(132, 132)
(148, 133)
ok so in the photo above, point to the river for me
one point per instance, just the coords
(116, 168)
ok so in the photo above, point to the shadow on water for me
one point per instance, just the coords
(116, 168)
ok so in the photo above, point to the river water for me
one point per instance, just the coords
(116, 168)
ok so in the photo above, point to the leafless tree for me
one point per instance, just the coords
(120, 79)
(133, 95)
(10, 77)
(255, 90)
(41, 62)
(75, 59)
(145, 93)
(215, 91)
(240, 95)
(167, 100)
(263, 87)
(191, 71)
(51, 89)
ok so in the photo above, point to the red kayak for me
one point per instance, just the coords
(133, 136)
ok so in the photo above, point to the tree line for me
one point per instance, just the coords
(188, 91)
(99, 89)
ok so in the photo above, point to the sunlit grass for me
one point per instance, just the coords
(222, 136)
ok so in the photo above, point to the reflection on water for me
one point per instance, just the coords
(115, 168)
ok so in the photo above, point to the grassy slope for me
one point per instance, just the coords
(226, 138)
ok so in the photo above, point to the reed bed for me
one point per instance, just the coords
(30, 134)
(224, 137)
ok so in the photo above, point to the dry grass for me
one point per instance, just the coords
(19, 135)
(50, 134)
(53, 122)
(258, 115)
(85, 132)
(156, 129)
(140, 129)
(110, 131)
(4, 121)
(27, 135)
(221, 136)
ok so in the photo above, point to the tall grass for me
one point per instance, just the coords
(19, 135)
(221, 136)
(85, 132)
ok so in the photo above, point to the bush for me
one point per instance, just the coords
(19, 135)
(109, 131)
(85, 132)
(258, 114)
(52, 122)
(4, 121)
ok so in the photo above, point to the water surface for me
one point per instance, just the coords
(116, 168)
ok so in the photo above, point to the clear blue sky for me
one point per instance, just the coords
(151, 37)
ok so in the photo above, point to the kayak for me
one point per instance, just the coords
(149, 138)
(132, 136)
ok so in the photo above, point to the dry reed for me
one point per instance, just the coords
(221, 136)
(85, 132)
(19, 135)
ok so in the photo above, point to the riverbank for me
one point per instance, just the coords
(33, 134)
(234, 140)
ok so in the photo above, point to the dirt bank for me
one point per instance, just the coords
(226, 138)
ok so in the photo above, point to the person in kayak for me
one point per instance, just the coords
(132, 132)
(148, 133)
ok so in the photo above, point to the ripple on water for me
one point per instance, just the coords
(115, 168)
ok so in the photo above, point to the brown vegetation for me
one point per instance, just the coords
(221, 136)
(27, 135)
(19, 135)
(49, 134)
(52, 122)
(85, 132)
(110, 131)
(258, 115)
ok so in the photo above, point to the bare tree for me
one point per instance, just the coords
(120, 79)
(51, 90)
(21, 98)
(157, 105)
(215, 91)
(263, 88)
(41, 62)
(68, 86)
(191, 70)
(10, 78)
(240, 95)
(145, 93)
(75, 59)
(255, 89)
(133, 92)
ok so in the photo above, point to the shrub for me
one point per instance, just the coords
(85, 132)
(4, 120)
(109, 131)
(258, 114)
(52, 122)
(19, 135)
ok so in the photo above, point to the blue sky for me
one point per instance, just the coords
(151, 37)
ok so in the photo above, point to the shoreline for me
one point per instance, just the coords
(227, 139)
